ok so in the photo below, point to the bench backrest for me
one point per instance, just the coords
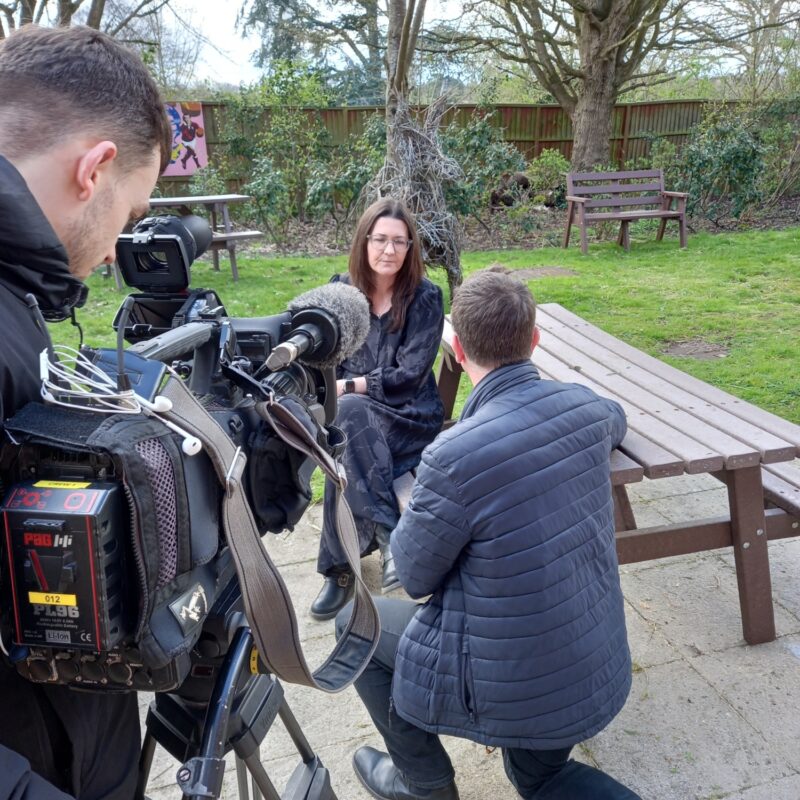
(617, 191)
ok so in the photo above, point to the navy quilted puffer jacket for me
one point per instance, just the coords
(510, 528)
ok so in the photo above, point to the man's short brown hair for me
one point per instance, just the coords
(56, 83)
(494, 316)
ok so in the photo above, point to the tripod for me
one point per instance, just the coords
(238, 715)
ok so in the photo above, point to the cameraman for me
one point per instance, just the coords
(83, 138)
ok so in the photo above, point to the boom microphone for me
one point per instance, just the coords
(329, 324)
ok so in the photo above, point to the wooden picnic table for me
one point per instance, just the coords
(677, 425)
(224, 237)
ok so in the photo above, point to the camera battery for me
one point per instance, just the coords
(66, 549)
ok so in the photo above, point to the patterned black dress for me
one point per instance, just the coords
(390, 426)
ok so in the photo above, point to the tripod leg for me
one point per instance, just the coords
(241, 779)
(293, 729)
(145, 762)
(260, 777)
(256, 792)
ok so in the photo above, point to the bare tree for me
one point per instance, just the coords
(585, 53)
(761, 44)
(94, 13)
(416, 170)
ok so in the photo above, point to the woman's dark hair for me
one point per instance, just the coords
(410, 274)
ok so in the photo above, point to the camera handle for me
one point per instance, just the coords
(240, 711)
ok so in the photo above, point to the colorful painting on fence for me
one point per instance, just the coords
(189, 151)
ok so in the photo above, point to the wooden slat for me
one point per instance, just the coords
(616, 188)
(655, 460)
(624, 470)
(633, 215)
(166, 202)
(770, 447)
(624, 202)
(779, 427)
(615, 176)
(673, 420)
(695, 457)
(782, 485)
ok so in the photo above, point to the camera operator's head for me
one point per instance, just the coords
(83, 122)
(386, 251)
(494, 319)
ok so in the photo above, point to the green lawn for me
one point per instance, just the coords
(738, 290)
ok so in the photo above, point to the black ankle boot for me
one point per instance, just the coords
(335, 592)
(389, 579)
(383, 780)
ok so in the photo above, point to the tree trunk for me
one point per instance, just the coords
(96, 14)
(594, 105)
(591, 126)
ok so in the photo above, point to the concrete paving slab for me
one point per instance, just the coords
(694, 602)
(757, 681)
(784, 789)
(649, 647)
(784, 568)
(679, 486)
(678, 738)
(696, 506)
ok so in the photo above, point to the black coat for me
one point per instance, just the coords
(388, 427)
(71, 738)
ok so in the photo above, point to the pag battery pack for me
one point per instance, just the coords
(67, 563)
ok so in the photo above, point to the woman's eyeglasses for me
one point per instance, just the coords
(382, 242)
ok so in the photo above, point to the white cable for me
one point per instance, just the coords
(75, 382)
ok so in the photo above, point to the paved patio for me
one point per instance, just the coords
(708, 716)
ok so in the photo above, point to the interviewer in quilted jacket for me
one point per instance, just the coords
(510, 530)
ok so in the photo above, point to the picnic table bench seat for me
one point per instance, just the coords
(624, 197)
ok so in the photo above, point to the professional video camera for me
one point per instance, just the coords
(121, 551)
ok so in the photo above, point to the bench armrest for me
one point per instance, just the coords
(675, 194)
(572, 199)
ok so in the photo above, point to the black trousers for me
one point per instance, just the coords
(420, 756)
(86, 744)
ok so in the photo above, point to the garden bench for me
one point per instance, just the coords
(625, 197)
(678, 425)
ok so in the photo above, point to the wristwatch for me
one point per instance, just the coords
(349, 386)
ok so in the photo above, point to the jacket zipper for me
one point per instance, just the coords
(467, 691)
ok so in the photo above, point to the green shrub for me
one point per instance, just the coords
(270, 123)
(335, 184)
(483, 155)
(721, 164)
(548, 172)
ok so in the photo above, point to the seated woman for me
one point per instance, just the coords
(389, 406)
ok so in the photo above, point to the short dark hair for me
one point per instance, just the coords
(412, 271)
(494, 316)
(61, 82)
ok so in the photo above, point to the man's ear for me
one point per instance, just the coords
(458, 350)
(92, 166)
(537, 334)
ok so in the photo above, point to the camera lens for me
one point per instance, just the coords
(152, 261)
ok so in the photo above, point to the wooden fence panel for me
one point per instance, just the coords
(530, 128)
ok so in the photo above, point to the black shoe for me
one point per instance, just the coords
(389, 579)
(383, 780)
(335, 592)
